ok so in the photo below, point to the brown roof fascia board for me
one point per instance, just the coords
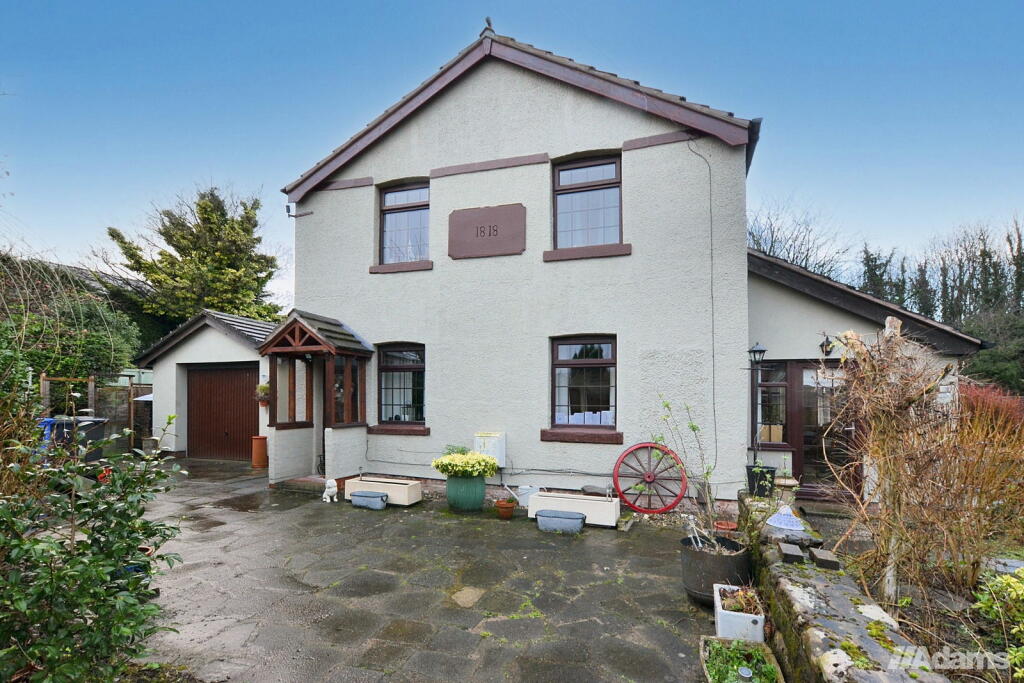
(732, 134)
(161, 346)
(943, 337)
(729, 129)
(388, 120)
(271, 342)
(492, 165)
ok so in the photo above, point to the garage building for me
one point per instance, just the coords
(205, 373)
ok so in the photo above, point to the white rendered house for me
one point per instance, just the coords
(530, 246)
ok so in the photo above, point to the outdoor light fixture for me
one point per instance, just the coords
(826, 346)
(756, 353)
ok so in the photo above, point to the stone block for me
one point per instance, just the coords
(825, 559)
(791, 554)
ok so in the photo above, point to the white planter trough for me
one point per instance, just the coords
(400, 491)
(598, 511)
(737, 625)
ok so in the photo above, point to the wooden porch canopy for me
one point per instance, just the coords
(303, 332)
(295, 342)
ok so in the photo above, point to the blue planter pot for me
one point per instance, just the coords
(560, 521)
(372, 500)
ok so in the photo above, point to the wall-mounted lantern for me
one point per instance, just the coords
(826, 347)
(756, 353)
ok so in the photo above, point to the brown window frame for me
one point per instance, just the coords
(382, 350)
(557, 188)
(583, 362)
(290, 422)
(399, 208)
(787, 404)
(351, 416)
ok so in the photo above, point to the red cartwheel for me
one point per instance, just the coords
(650, 478)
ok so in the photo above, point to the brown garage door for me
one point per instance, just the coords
(223, 414)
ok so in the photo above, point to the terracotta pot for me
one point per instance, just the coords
(259, 453)
(264, 404)
(505, 508)
(725, 525)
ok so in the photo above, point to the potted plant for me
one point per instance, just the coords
(760, 480)
(263, 394)
(466, 471)
(738, 613)
(735, 660)
(708, 555)
(506, 507)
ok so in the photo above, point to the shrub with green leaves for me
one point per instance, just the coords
(76, 561)
(1001, 599)
(469, 464)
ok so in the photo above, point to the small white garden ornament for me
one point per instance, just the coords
(330, 491)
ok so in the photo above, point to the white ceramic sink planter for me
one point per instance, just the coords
(400, 491)
(599, 511)
(737, 625)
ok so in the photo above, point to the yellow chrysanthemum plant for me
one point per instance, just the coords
(471, 464)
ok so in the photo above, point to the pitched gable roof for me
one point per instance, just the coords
(699, 117)
(332, 332)
(942, 337)
(246, 330)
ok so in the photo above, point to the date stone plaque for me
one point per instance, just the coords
(487, 231)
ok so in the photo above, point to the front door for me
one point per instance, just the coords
(820, 458)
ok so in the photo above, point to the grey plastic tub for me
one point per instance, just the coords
(373, 500)
(560, 521)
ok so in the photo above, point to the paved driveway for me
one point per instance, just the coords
(280, 586)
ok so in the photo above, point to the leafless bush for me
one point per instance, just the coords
(943, 476)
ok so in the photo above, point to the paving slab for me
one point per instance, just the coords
(277, 585)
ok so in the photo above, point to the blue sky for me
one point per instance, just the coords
(898, 121)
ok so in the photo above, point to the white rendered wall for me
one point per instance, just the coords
(295, 452)
(486, 323)
(345, 449)
(291, 453)
(791, 326)
(170, 378)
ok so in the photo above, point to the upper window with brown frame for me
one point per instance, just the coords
(583, 381)
(402, 370)
(588, 203)
(404, 223)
